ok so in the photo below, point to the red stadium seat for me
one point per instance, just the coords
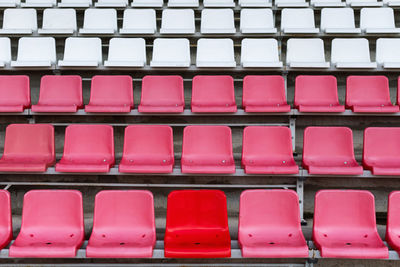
(148, 149)
(213, 94)
(111, 93)
(5, 219)
(28, 148)
(345, 226)
(369, 94)
(264, 93)
(207, 149)
(197, 225)
(15, 95)
(393, 221)
(162, 94)
(87, 148)
(317, 93)
(269, 225)
(59, 93)
(329, 150)
(52, 225)
(123, 225)
(268, 150)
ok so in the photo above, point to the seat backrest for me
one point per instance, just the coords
(81, 49)
(20, 18)
(380, 17)
(254, 50)
(350, 50)
(178, 19)
(54, 18)
(316, 90)
(305, 50)
(100, 18)
(127, 49)
(213, 90)
(217, 19)
(338, 18)
(215, 50)
(139, 19)
(263, 89)
(367, 90)
(381, 145)
(20, 93)
(254, 18)
(171, 49)
(162, 90)
(393, 219)
(387, 50)
(5, 49)
(109, 90)
(61, 90)
(5, 218)
(37, 49)
(297, 18)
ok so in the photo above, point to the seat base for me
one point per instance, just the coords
(189, 252)
(74, 167)
(290, 169)
(333, 108)
(356, 251)
(116, 250)
(130, 168)
(336, 170)
(108, 109)
(375, 109)
(208, 169)
(22, 167)
(160, 109)
(214, 109)
(51, 108)
(267, 108)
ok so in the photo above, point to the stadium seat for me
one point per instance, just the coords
(177, 21)
(306, 53)
(59, 93)
(207, 149)
(291, 3)
(87, 148)
(328, 3)
(345, 226)
(351, 53)
(171, 52)
(268, 150)
(148, 149)
(260, 53)
(214, 20)
(215, 53)
(387, 53)
(257, 20)
(218, 3)
(82, 52)
(35, 52)
(58, 21)
(369, 94)
(19, 21)
(378, 20)
(162, 94)
(183, 3)
(75, 3)
(111, 3)
(197, 225)
(329, 151)
(10, 3)
(317, 93)
(52, 225)
(39, 3)
(99, 21)
(298, 20)
(126, 52)
(139, 21)
(363, 3)
(111, 93)
(15, 93)
(392, 3)
(393, 221)
(213, 94)
(147, 3)
(338, 20)
(123, 225)
(5, 51)
(5, 218)
(255, 3)
(264, 93)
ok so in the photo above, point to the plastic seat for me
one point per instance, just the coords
(213, 94)
(15, 93)
(214, 20)
(111, 3)
(215, 53)
(207, 149)
(392, 3)
(5, 51)
(58, 21)
(139, 21)
(369, 94)
(87, 148)
(338, 20)
(268, 150)
(264, 93)
(5, 219)
(59, 93)
(148, 149)
(126, 52)
(35, 52)
(387, 53)
(306, 53)
(329, 151)
(147, 3)
(111, 93)
(197, 225)
(123, 225)
(183, 3)
(82, 52)
(260, 53)
(162, 94)
(99, 21)
(317, 93)
(19, 21)
(52, 225)
(177, 21)
(328, 3)
(393, 221)
(291, 3)
(345, 225)
(39, 3)
(255, 3)
(10, 3)
(378, 20)
(257, 20)
(218, 3)
(298, 20)
(171, 52)
(362, 3)
(75, 3)
(351, 53)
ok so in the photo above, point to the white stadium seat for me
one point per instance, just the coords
(351, 53)
(58, 21)
(19, 21)
(183, 3)
(218, 3)
(82, 52)
(392, 3)
(257, 20)
(298, 20)
(35, 52)
(126, 52)
(99, 21)
(111, 3)
(328, 3)
(75, 3)
(173, 52)
(147, 3)
(215, 53)
(378, 20)
(139, 21)
(39, 3)
(306, 53)
(260, 53)
(291, 3)
(10, 3)
(217, 21)
(5, 51)
(388, 53)
(338, 20)
(177, 21)
(362, 3)
(255, 3)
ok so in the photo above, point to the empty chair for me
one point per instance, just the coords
(213, 94)
(148, 149)
(215, 53)
(378, 20)
(111, 3)
(123, 225)
(362, 3)
(75, 3)
(388, 53)
(28, 148)
(39, 3)
(268, 150)
(87, 148)
(15, 93)
(328, 3)
(147, 3)
(59, 93)
(254, 20)
(5, 51)
(217, 21)
(126, 52)
(317, 93)
(82, 52)
(393, 221)
(345, 225)
(162, 94)
(351, 53)
(183, 3)
(139, 21)
(218, 3)
(197, 225)
(298, 20)
(52, 225)
(174, 52)
(111, 93)
(99, 21)
(207, 149)
(19, 21)
(338, 20)
(306, 53)
(10, 3)
(291, 3)
(58, 21)
(177, 21)
(5, 218)
(255, 3)
(35, 52)
(260, 53)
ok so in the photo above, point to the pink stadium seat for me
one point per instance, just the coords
(317, 93)
(197, 225)
(393, 221)
(264, 93)
(207, 149)
(329, 150)
(345, 226)
(52, 225)
(213, 94)
(269, 225)
(162, 94)
(15, 95)
(111, 93)
(369, 94)
(148, 149)
(87, 148)
(268, 150)
(28, 148)
(5, 219)
(59, 93)
(123, 225)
